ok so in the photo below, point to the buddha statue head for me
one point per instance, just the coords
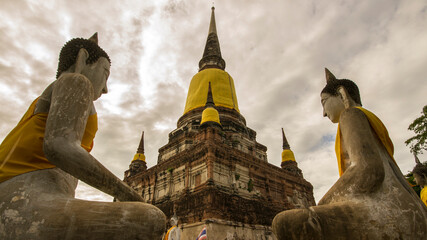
(174, 220)
(85, 57)
(337, 95)
(420, 172)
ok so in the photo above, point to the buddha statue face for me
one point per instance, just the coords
(174, 221)
(332, 106)
(338, 95)
(98, 73)
(420, 180)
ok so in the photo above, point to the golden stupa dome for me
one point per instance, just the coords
(139, 156)
(223, 91)
(140, 152)
(288, 155)
(210, 114)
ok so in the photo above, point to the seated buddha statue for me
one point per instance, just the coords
(43, 157)
(420, 176)
(371, 199)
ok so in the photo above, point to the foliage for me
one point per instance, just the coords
(250, 185)
(418, 143)
(237, 176)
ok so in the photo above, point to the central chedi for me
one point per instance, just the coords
(213, 172)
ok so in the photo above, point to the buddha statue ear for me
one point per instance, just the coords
(329, 76)
(81, 59)
(83, 54)
(346, 98)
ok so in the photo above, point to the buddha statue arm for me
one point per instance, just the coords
(366, 171)
(72, 97)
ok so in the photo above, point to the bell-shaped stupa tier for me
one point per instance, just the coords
(223, 91)
(212, 73)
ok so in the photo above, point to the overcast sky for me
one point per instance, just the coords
(276, 52)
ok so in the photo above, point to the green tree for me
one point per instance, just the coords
(418, 143)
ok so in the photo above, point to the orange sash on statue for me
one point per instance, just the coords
(423, 195)
(379, 129)
(22, 150)
(167, 234)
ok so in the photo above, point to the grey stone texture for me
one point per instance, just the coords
(41, 204)
(371, 200)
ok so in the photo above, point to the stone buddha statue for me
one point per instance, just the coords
(420, 177)
(43, 157)
(371, 199)
(174, 233)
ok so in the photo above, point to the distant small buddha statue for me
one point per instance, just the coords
(174, 233)
(43, 157)
(420, 175)
(371, 199)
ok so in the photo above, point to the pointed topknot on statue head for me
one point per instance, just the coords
(94, 38)
(329, 76)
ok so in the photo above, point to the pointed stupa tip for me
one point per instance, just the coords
(212, 54)
(285, 141)
(141, 144)
(212, 25)
(94, 38)
(209, 99)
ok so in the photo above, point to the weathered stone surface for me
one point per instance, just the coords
(219, 173)
(41, 205)
(371, 200)
(227, 230)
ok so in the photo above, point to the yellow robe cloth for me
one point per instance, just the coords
(167, 234)
(22, 149)
(423, 195)
(379, 129)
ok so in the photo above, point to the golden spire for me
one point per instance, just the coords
(141, 144)
(285, 144)
(212, 25)
(140, 151)
(210, 114)
(211, 70)
(209, 99)
(287, 154)
(212, 54)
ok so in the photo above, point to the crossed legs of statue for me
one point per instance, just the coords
(41, 205)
